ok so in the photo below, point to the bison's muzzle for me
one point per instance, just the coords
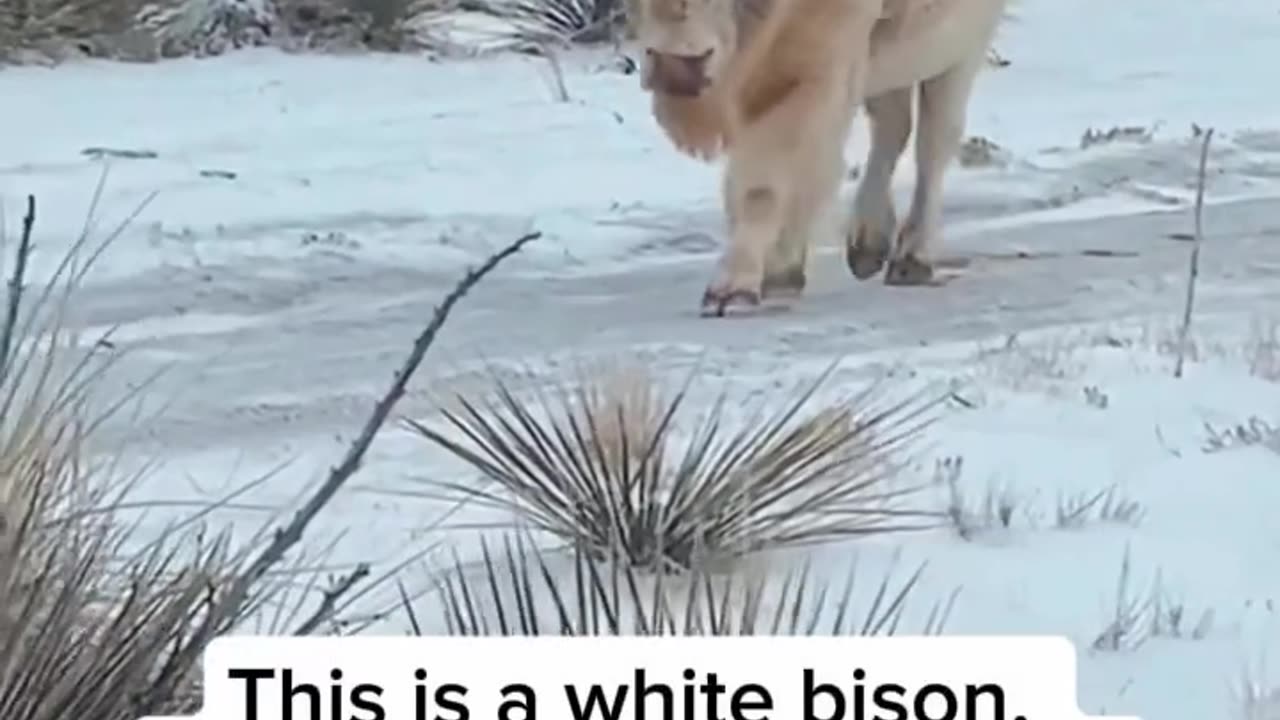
(675, 74)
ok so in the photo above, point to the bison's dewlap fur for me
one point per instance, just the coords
(784, 81)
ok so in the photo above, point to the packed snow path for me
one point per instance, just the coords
(302, 346)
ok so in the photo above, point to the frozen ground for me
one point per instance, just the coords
(313, 210)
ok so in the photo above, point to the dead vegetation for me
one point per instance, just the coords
(96, 622)
(1140, 134)
(1139, 617)
(1193, 266)
(81, 615)
(1252, 432)
(1003, 509)
(523, 591)
(51, 31)
(1256, 348)
(613, 464)
(1258, 697)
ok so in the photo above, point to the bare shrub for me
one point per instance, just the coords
(1133, 133)
(1021, 364)
(135, 30)
(602, 465)
(201, 28)
(521, 593)
(1256, 347)
(147, 30)
(1263, 350)
(1095, 397)
(91, 625)
(1251, 432)
(87, 627)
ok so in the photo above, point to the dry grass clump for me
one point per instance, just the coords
(149, 30)
(998, 507)
(131, 30)
(91, 624)
(1026, 363)
(614, 465)
(1137, 617)
(522, 593)
(88, 628)
(50, 31)
(1259, 700)
(1256, 348)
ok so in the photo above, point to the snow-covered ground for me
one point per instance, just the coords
(312, 210)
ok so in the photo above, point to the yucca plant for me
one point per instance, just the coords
(520, 593)
(609, 465)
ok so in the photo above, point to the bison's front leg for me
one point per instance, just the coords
(782, 169)
(786, 156)
(815, 183)
(756, 198)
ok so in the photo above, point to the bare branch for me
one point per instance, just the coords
(15, 288)
(330, 600)
(1193, 272)
(285, 538)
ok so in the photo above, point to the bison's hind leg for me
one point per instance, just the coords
(944, 101)
(870, 231)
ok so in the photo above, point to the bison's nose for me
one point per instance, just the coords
(677, 74)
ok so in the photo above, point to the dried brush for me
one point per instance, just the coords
(560, 21)
(90, 625)
(602, 465)
(519, 593)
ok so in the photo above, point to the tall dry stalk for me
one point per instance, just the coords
(1193, 267)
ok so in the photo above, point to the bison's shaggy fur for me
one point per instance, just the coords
(774, 85)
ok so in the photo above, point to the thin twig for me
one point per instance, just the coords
(15, 288)
(330, 600)
(285, 538)
(408, 608)
(557, 72)
(1193, 272)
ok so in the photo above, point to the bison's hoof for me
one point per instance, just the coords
(785, 283)
(716, 302)
(863, 261)
(909, 270)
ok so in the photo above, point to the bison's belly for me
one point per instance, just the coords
(928, 37)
